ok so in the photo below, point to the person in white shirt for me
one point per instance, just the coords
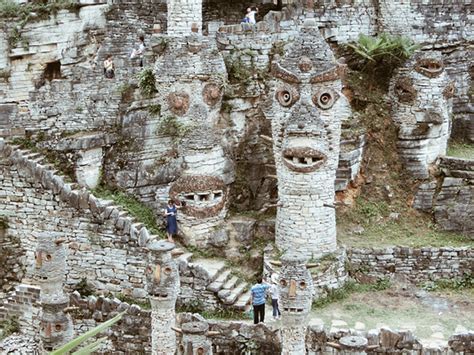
(275, 294)
(138, 52)
(251, 15)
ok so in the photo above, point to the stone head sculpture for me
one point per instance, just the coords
(56, 326)
(195, 339)
(306, 108)
(161, 273)
(192, 83)
(50, 267)
(296, 287)
(421, 99)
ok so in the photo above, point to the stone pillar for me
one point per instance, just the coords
(162, 285)
(195, 340)
(306, 107)
(56, 326)
(296, 296)
(184, 17)
(421, 101)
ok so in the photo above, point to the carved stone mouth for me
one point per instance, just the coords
(162, 296)
(303, 159)
(293, 310)
(201, 196)
(429, 67)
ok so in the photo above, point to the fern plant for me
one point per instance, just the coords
(384, 50)
(146, 82)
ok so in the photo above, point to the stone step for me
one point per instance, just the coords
(235, 293)
(231, 283)
(243, 301)
(209, 268)
(219, 282)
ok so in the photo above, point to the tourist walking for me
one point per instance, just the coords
(258, 292)
(109, 67)
(275, 294)
(171, 222)
(139, 50)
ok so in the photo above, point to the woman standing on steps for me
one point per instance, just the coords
(171, 223)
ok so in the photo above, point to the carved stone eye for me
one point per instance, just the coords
(283, 283)
(57, 327)
(178, 103)
(286, 98)
(325, 98)
(211, 94)
(429, 67)
(303, 284)
(167, 270)
(48, 257)
(405, 90)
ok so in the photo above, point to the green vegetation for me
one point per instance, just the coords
(372, 53)
(84, 288)
(154, 110)
(130, 300)
(381, 228)
(460, 150)
(141, 212)
(197, 306)
(336, 295)
(456, 284)
(8, 327)
(171, 127)
(146, 82)
(3, 222)
(5, 74)
(35, 10)
(238, 72)
(94, 346)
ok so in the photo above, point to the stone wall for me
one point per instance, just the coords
(450, 197)
(11, 256)
(415, 264)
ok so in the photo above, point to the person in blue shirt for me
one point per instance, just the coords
(171, 223)
(258, 301)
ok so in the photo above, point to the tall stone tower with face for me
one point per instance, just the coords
(162, 285)
(56, 326)
(296, 296)
(421, 99)
(190, 78)
(306, 107)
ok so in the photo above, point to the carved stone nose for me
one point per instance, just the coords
(432, 116)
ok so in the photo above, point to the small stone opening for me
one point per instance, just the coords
(52, 71)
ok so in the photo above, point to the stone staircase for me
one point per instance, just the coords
(230, 290)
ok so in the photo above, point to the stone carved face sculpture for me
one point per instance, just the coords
(161, 273)
(56, 327)
(420, 95)
(296, 286)
(195, 341)
(306, 107)
(50, 267)
(192, 82)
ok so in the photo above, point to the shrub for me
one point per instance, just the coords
(170, 127)
(146, 82)
(9, 326)
(384, 52)
(154, 110)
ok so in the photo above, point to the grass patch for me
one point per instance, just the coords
(130, 300)
(456, 284)
(411, 229)
(141, 212)
(171, 127)
(154, 110)
(9, 326)
(460, 150)
(197, 306)
(342, 293)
